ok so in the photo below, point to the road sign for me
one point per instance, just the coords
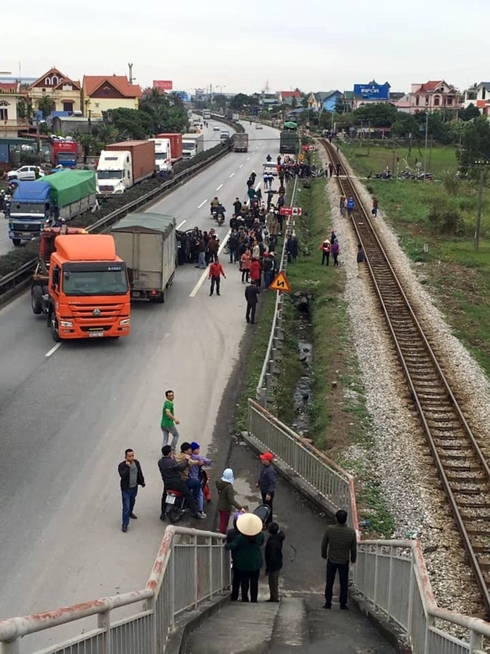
(290, 211)
(280, 283)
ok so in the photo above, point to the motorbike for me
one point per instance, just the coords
(175, 506)
(218, 216)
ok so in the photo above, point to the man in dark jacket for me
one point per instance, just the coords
(172, 480)
(267, 482)
(131, 477)
(231, 534)
(338, 545)
(273, 560)
(252, 293)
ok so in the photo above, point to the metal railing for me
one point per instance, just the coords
(192, 566)
(264, 386)
(17, 277)
(389, 576)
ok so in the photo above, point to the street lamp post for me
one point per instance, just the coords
(427, 106)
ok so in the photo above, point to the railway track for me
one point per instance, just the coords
(460, 463)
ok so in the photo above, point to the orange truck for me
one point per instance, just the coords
(81, 285)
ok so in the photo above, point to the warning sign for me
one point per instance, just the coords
(290, 211)
(280, 283)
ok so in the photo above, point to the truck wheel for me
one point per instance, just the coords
(54, 329)
(37, 299)
(160, 299)
(16, 242)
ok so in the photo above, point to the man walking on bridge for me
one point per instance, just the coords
(131, 477)
(338, 545)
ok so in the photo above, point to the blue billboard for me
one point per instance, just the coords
(183, 95)
(372, 91)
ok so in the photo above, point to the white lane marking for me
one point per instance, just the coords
(53, 349)
(205, 273)
(232, 175)
(248, 158)
(241, 166)
(202, 203)
(220, 186)
(258, 186)
(179, 226)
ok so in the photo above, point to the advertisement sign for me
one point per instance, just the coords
(372, 91)
(163, 84)
(183, 95)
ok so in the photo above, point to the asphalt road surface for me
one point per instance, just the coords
(211, 138)
(68, 412)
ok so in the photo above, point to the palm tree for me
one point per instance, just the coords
(46, 105)
(25, 109)
(107, 134)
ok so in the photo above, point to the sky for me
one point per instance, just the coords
(239, 46)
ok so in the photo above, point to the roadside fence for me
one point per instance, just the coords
(192, 567)
(265, 386)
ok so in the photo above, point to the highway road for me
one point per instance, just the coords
(211, 138)
(68, 412)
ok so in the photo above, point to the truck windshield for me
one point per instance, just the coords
(66, 156)
(27, 207)
(95, 279)
(110, 174)
(188, 145)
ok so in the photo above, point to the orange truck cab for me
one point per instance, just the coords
(84, 291)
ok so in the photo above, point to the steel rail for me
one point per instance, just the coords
(447, 431)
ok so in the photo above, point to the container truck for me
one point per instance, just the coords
(192, 144)
(288, 142)
(206, 115)
(175, 139)
(63, 152)
(81, 285)
(240, 142)
(163, 154)
(122, 165)
(52, 198)
(148, 244)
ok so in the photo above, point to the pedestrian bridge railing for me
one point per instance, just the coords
(192, 566)
(390, 576)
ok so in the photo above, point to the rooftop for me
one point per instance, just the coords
(120, 82)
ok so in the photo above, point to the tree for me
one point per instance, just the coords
(46, 105)
(475, 147)
(404, 126)
(220, 100)
(108, 133)
(240, 101)
(25, 109)
(294, 102)
(164, 113)
(469, 112)
(379, 114)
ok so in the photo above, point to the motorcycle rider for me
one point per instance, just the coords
(220, 214)
(172, 480)
(192, 484)
(214, 204)
(268, 158)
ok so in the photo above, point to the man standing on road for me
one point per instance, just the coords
(215, 272)
(131, 477)
(267, 482)
(172, 480)
(252, 297)
(169, 421)
(338, 545)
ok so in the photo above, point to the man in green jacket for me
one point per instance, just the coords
(339, 544)
(169, 421)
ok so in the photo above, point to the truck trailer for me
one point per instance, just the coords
(148, 244)
(81, 285)
(52, 198)
(122, 165)
(192, 144)
(240, 142)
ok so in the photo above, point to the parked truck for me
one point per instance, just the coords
(175, 139)
(240, 142)
(288, 140)
(122, 165)
(52, 198)
(148, 244)
(81, 285)
(163, 159)
(192, 144)
(63, 151)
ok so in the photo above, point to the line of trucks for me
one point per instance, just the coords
(83, 283)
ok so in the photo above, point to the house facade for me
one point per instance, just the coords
(10, 121)
(101, 93)
(324, 100)
(64, 93)
(286, 97)
(480, 97)
(434, 95)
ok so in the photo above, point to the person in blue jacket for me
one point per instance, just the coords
(350, 207)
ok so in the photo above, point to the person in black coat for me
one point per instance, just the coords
(231, 534)
(252, 297)
(131, 477)
(273, 559)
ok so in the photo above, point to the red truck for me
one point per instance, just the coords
(63, 152)
(122, 165)
(175, 145)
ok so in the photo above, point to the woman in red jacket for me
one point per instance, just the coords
(245, 261)
(255, 272)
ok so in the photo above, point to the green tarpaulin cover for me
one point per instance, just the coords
(70, 186)
(145, 222)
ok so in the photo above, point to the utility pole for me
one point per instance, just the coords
(130, 66)
(482, 164)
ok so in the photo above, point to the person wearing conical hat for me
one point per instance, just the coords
(247, 560)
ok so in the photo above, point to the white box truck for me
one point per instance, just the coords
(163, 154)
(192, 144)
(147, 242)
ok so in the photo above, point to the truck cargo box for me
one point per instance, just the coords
(142, 157)
(175, 139)
(70, 186)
